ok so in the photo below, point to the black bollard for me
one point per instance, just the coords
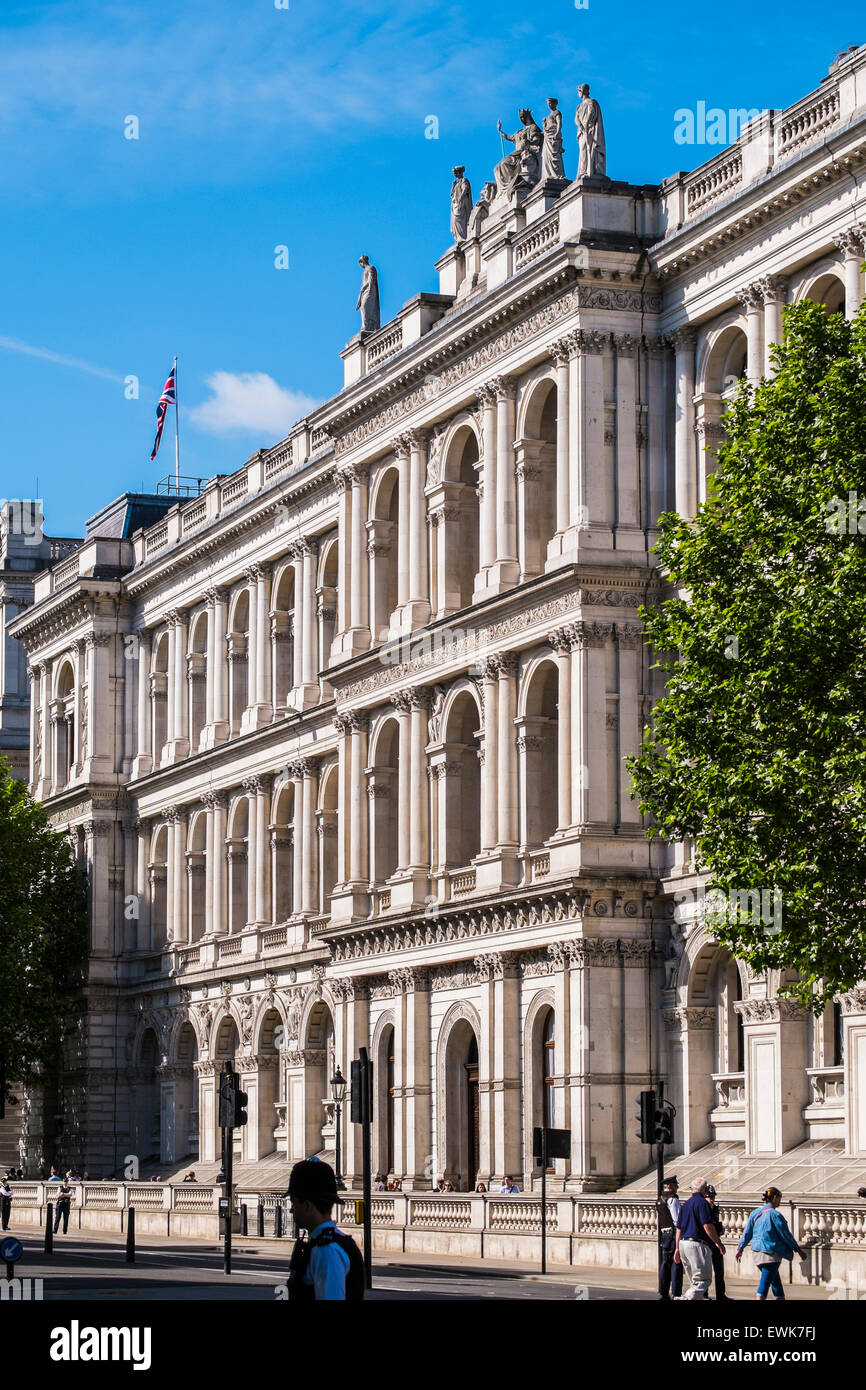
(278, 1219)
(49, 1229)
(260, 1218)
(130, 1235)
(244, 1220)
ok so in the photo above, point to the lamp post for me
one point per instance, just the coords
(338, 1091)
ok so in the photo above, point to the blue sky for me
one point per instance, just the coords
(305, 127)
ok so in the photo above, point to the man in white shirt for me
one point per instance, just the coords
(509, 1187)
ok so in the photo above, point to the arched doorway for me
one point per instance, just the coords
(146, 1125)
(461, 1152)
(319, 1127)
(185, 1100)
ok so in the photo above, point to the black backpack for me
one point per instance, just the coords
(356, 1281)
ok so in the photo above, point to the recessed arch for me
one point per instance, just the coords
(457, 1070)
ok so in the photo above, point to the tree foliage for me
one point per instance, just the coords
(43, 931)
(758, 747)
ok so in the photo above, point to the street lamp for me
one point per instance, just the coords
(338, 1091)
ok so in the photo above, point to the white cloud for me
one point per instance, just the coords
(249, 402)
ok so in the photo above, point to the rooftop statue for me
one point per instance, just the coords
(481, 210)
(461, 203)
(552, 166)
(368, 299)
(524, 165)
(590, 133)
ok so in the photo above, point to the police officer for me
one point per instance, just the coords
(327, 1266)
(5, 1202)
(668, 1210)
(63, 1198)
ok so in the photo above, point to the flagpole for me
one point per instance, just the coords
(176, 434)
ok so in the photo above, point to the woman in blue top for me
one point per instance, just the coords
(767, 1232)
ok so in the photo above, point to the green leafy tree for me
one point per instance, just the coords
(758, 747)
(43, 932)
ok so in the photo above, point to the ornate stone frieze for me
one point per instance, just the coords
(497, 345)
(853, 1001)
(769, 1010)
(689, 1018)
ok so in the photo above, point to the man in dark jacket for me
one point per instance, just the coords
(668, 1210)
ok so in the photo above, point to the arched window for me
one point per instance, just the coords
(382, 548)
(462, 783)
(158, 874)
(454, 517)
(385, 810)
(196, 663)
(196, 872)
(538, 746)
(238, 655)
(284, 637)
(535, 453)
(65, 726)
(547, 1067)
(326, 607)
(828, 290)
(159, 696)
(328, 829)
(238, 866)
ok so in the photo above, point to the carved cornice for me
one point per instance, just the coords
(689, 1019)
(770, 1010)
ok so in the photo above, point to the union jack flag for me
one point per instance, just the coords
(168, 397)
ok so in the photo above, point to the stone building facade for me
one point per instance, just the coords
(348, 766)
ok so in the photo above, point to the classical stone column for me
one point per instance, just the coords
(100, 700)
(44, 776)
(628, 446)
(489, 763)
(752, 299)
(590, 483)
(176, 874)
(35, 728)
(402, 704)
(344, 542)
(309, 901)
(419, 858)
(413, 1073)
(684, 439)
(507, 751)
(219, 918)
(506, 571)
(657, 484)
(310, 684)
(418, 600)
(853, 1004)
(142, 845)
(628, 729)
(79, 728)
(359, 869)
(773, 290)
(143, 762)
(359, 603)
(218, 728)
(852, 244)
(252, 786)
(299, 837)
(561, 641)
(500, 985)
(263, 882)
(486, 398)
(588, 721)
(401, 450)
(208, 803)
(260, 709)
(561, 354)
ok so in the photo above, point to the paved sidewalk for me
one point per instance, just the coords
(630, 1283)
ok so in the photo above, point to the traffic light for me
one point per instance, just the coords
(663, 1125)
(646, 1117)
(240, 1108)
(227, 1100)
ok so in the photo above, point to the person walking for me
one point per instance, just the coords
(327, 1265)
(63, 1201)
(668, 1209)
(5, 1202)
(696, 1236)
(768, 1234)
(717, 1256)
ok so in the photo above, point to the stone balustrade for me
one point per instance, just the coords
(615, 1232)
